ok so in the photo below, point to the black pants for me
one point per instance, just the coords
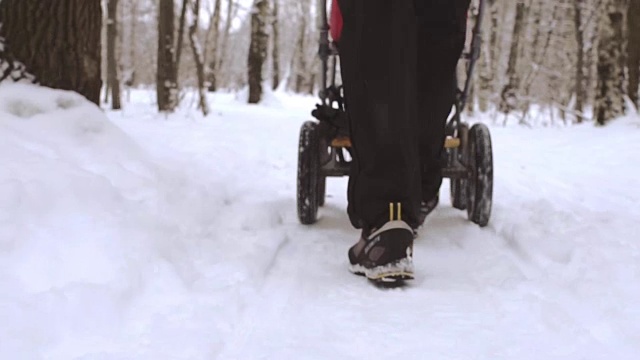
(398, 60)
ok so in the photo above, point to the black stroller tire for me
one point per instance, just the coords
(308, 173)
(480, 182)
(322, 190)
(458, 187)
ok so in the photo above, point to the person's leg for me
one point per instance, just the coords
(441, 37)
(378, 59)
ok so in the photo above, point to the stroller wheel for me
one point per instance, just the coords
(480, 181)
(322, 190)
(458, 190)
(308, 173)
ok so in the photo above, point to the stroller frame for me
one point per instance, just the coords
(325, 145)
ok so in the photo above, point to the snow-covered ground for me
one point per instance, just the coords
(141, 236)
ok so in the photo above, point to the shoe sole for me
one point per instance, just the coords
(397, 271)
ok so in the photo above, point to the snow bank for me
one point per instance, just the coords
(89, 228)
(150, 236)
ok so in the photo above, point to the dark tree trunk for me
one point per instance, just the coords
(58, 41)
(611, 86)
(257, 49)
(634, 51)
(166, 70)
(198, 58)
(112, 63)
(275, 51)
(214, 31)
(509, 92)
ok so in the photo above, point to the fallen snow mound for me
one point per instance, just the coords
(86, 217)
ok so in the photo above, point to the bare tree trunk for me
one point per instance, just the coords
(534, 56)
(275, 51)
(300, 54)
(112, 63)
(591, 52)
(494, 44)
(132, 44)
(508, 95)
(634, 51)
(257, 49)
(231, 8)
(198, 57)
(611, 86)
(214, 33)
(61, 46)
(166, 81)
(579, 80)
(179, 45)
(486, 71)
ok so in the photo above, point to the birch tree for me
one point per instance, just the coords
(257, 49)
(198, 57)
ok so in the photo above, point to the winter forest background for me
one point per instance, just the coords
(157, 218)
(571, 60)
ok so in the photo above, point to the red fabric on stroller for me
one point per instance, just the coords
(336, 21)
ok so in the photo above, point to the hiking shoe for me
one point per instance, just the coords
(385, 254)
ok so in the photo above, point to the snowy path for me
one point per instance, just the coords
(209, 260)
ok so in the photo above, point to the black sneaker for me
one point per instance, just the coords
(385, 254)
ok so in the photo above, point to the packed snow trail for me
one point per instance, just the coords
(176, 237)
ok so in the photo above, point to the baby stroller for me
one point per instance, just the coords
(325, 146)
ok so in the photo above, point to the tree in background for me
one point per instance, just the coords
(275, 48)
(257, 49)
(214, 35)
(509, 94)
(633, 50)
(166, 77)
(580, 91)
(611, 86)
(113, 81)
(198, 56)
(58, 41)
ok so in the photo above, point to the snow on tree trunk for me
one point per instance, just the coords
(10, 68)
(112, 64)
(275, 50)
(198, 58)
(611, 86)
(257, 49)
(634, 51)
(58, 41)
(166, 82)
